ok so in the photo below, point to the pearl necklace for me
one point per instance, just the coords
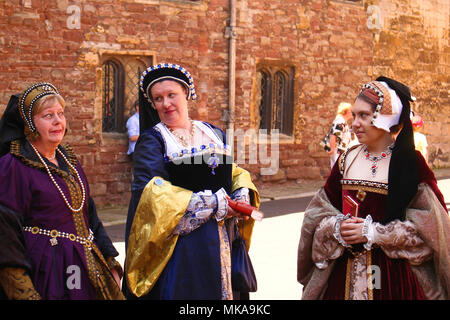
(56, 184)
(183, 139)
(375, 159)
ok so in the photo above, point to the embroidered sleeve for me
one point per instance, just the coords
(325, 246)
(241, 194)
(201, 207)
(17, 284)
(400, 240)
(222, 204)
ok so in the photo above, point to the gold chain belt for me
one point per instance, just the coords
(58, 234)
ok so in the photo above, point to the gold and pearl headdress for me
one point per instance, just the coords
(29, 98)
(166, 71)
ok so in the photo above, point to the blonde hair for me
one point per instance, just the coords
(343, 107)
(42, 102)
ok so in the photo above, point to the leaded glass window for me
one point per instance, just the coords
(120, 90)
(277, 92)
(112, 97)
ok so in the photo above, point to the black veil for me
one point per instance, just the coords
(148, 117)
(403, 168)
(11, 125)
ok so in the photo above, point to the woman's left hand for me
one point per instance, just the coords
(351, 230)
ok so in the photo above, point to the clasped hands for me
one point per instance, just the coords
(352, 230)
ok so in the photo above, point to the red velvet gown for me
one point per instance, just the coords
(397, 281)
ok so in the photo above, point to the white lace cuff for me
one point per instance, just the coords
(368, 232)
(325, 247)
(222, 204)
(337, 229)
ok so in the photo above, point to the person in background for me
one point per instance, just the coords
(340, 136)
(133, 131)
(52, 243)
(420, 140)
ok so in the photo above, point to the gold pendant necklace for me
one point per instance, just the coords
(185, 141)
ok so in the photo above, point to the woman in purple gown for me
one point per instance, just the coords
(52, 243)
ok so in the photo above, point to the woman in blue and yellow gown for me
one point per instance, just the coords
(379, 228)
(179, 227)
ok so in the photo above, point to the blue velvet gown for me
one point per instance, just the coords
(194, 269)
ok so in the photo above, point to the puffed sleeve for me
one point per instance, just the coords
(14, 203)
(148, 159)
(325, 246)
(148, 162)
(151, 241)
(328, 201)
(156, 207)
(14, 199)
(317, 225)
(400, 240)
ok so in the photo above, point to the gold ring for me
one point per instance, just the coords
(34, 230)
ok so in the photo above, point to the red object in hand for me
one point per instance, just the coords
(245, 209)
(350, 205)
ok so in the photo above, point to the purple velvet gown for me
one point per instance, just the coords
(61, 269)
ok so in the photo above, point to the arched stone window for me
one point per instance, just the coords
(112, 102)
(276, 106)
(120, 92)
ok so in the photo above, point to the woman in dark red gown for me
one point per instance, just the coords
(379, 229)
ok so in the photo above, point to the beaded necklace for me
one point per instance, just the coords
(56, 184)
(183, 139)
(375, 159)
